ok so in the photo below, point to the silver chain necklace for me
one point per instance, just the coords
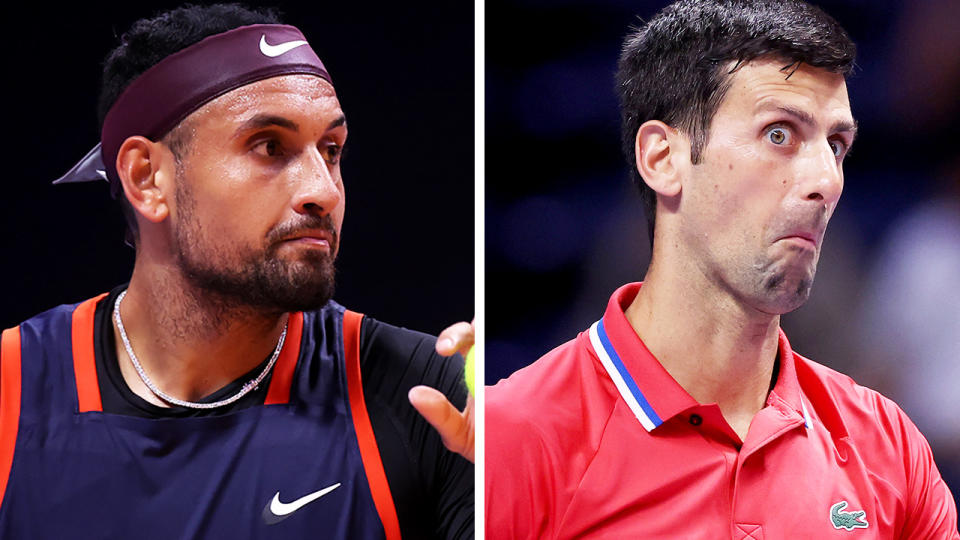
(250, 385)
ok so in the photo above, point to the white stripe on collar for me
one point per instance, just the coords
(624, 382)
(806, 416)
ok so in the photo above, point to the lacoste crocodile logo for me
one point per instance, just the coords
(847, 520)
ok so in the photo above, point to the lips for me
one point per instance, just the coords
(309, 231)
(312, 237)
(804, 237)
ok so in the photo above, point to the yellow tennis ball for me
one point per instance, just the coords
(468, 370)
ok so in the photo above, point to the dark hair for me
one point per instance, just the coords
(151, 40)
(676, 68)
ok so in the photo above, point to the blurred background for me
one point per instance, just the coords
(404, 76)
(565, 228)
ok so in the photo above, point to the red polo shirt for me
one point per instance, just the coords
(597, 440)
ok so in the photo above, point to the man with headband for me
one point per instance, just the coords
(221, 393)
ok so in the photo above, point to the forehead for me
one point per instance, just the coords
(306, 99)
(764, 84)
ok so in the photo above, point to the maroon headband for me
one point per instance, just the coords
(156, 101)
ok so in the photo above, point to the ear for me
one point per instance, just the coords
(662, 155)
(143, 170)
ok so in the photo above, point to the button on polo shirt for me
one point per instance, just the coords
(597, 440)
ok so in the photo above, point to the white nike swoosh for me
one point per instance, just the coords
(281, 510)
(274, 51)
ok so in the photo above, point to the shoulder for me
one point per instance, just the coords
(52, 314)
(872, 426)
(846, 407)
(543, 426)
(552, 388)
(390, 357)
(394, 340)
(555, 404)
(892, 449)
(395, 359)
(57, 321)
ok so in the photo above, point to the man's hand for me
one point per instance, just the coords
(455, 427)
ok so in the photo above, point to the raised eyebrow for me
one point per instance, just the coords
(846, 126)
(807, 119)
(800, 115)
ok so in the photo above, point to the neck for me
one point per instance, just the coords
(718, 349)
(190, 342)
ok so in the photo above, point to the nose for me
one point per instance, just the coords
(317, 185)
(823, 175)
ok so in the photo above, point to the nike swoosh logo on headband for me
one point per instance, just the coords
(274, 51)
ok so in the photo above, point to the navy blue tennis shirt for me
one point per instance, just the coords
(326, 447)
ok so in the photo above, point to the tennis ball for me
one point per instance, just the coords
(468, 370)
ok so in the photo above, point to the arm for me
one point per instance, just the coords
(431, 486)
(931, 512)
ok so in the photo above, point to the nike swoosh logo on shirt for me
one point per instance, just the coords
(274, 51)
(277, 511)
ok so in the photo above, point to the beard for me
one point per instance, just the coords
(255, 277)
(785, 290)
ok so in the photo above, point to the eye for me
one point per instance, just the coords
(332, 153)
(268, 148)
(778, 136)
(839, 148)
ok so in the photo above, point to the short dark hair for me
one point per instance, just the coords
(148, 41)
(675, 68)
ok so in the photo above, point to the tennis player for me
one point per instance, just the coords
(683, 412)
(221, 393)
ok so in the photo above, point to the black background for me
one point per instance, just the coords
(404, 76)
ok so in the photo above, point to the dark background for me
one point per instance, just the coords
(565, 227)
(404, 76)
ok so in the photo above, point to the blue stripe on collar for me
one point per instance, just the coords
(621, 377)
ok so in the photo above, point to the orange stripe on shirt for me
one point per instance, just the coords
(372, 464)
(282, 378)
(9, 402)
(84, 360)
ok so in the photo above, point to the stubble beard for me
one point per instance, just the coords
(780, 287)
(252, 278)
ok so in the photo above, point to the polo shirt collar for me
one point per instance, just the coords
(786, 394)
(648, 390)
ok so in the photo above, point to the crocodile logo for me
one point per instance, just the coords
(847, 520)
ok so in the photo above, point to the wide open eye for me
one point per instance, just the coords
(839, 148)
(778, 136)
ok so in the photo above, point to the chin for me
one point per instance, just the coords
(782, 294)
(304, 298)
(302, 287)
(269, 285)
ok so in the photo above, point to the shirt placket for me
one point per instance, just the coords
(747, 506)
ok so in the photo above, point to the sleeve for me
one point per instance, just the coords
(543, 426)
(931, 511)
(432, 488)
